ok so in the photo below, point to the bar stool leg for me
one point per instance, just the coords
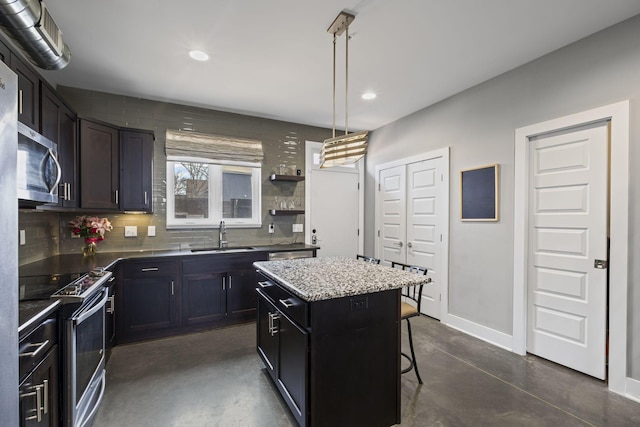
(414, 362)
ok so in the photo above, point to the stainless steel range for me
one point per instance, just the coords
(83, 314)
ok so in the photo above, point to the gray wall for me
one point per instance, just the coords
(479, 123)
(47, 233)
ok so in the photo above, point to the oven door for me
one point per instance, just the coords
(86, 360)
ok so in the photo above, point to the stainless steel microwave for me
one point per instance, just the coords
(38, 169)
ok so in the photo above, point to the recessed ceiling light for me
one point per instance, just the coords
(369, 95)
(198, 55)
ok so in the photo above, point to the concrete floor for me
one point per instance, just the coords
(215, 378)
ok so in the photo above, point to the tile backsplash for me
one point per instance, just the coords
(47, 233)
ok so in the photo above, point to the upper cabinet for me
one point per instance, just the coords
(136, 170)
(58, 123)
(28, 93)
(99, 166)
(116, 167)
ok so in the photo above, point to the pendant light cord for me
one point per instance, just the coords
(334, 85)
(346, 85)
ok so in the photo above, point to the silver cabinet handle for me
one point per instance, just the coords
(273, 328)
(264, 284)
(146, 200)
(68, 193)
(172, 288)
(286, 303)
(20, 101)
(224, 283)
(112, 279)
(112, 306)
(230, 282)
(149, 269)
(40, 345)
(45, 386)
(116, 197)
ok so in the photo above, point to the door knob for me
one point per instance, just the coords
(399, 244)
(409, 245)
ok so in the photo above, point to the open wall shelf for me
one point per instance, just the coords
(275, 177)
(278, 212)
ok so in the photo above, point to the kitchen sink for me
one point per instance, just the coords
(225, 249)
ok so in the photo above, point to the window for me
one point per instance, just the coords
(202, 192)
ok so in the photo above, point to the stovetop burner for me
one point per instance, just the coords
(83, 287)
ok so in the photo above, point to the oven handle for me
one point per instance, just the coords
(91, 310)
(98, 401)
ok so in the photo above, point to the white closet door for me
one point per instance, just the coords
(568, 208)
(393, 214)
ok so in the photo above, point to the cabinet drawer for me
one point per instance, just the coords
(289, 304)
(149, 268)
(33, 347)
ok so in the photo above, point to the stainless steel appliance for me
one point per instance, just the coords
(38, 169)
(275, 256)
(83, 314)
(9, 246)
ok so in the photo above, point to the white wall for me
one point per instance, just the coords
(479, 123)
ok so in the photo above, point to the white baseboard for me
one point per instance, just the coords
(633, 389)
(484, 333)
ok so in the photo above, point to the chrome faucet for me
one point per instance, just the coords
(222, 231)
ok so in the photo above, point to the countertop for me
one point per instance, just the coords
(31, 312)
(316, 279)
(77, 263)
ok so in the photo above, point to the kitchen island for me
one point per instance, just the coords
(328, 333)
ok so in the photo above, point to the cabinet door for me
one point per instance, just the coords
(267, 341)
(293, 367)
(58, 123)
(149, 304)
(241, 295)
(99, 166)
(28, 93)
(136, 170)
(203, 298)
(5, 54)
(39, 394)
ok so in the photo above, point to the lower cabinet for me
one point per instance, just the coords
(148, 298)
(39, 394)
(335, 362)
(284, 347)
(157, 297)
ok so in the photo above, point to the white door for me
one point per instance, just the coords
(411, 222)
(568, 224)
(332, 206)
(393, 214)
(424, 222)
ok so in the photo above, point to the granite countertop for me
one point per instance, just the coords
(316, 279)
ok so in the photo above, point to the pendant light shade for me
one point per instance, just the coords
(348, 148)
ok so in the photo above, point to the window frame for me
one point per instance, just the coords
(216, 168)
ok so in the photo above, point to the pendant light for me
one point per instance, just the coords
(348, 148)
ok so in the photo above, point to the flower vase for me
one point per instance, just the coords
(90, 248)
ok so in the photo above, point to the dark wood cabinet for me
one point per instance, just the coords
(39, 395)
(99, 166)
(147, 298)
(136, 170)
(203, 298)
(5, 54)
(241, 293)
(58, 123)
(28, 93)
(335, 361)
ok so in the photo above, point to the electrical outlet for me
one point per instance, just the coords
(130, 231)
(151, 230)
(271, 229)
(23, 237)
(297, 228)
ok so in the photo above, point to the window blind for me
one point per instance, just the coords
(216, 147)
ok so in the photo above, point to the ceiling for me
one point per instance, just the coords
(273, 58)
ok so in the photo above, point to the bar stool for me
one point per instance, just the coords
(368, 259)
(410, 307)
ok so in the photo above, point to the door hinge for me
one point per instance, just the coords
(379, 187)
(358, 231)
(378, 233)
(358, 186)
(441, 177)
(441, 237)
